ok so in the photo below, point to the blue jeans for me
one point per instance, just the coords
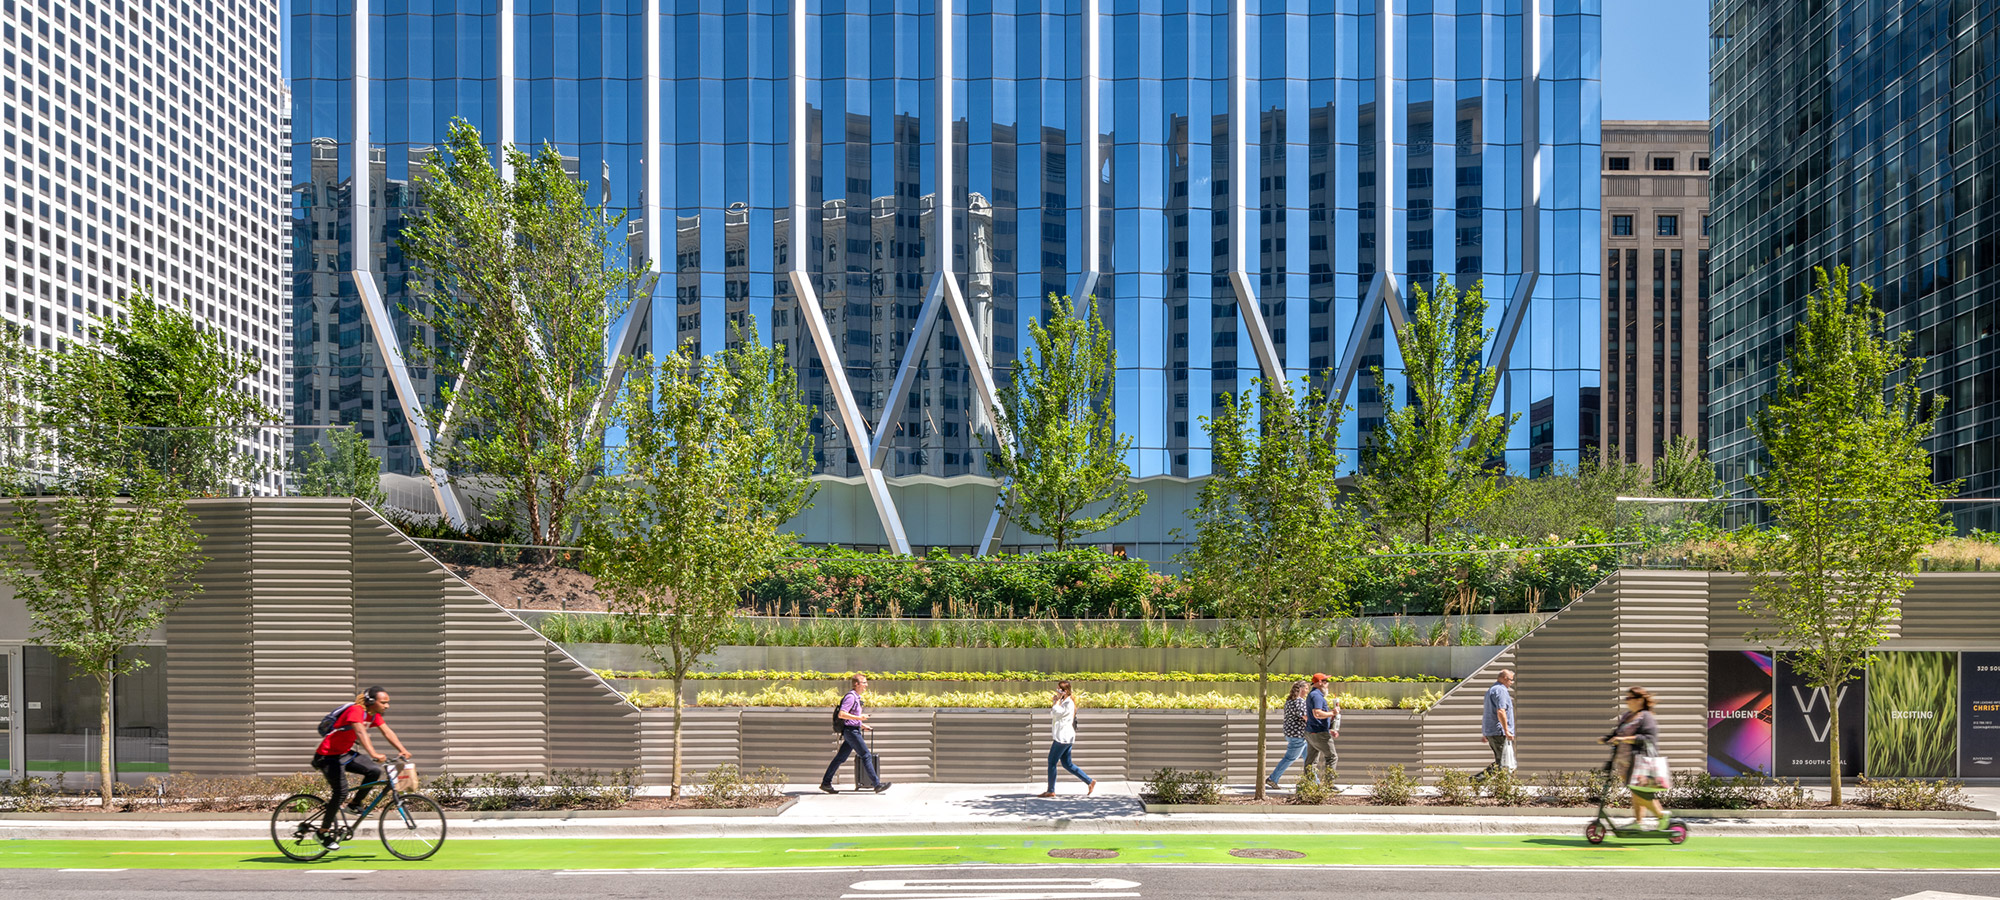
(852, 743)
(1059, 753)
(1294, 748)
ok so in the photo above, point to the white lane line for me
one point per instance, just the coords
(90, 870)
(1942, 895)
(341, 871)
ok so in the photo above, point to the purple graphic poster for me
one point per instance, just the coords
(1739, 712)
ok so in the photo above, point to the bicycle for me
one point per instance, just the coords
(412, 825)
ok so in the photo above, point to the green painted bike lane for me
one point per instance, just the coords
(1842, 852)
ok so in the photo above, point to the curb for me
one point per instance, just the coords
(454, 816)
(793, 827)
(1247, 809)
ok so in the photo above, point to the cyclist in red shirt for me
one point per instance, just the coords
(335, 756)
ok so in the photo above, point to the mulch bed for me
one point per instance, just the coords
(263, 805)
(1283, 799)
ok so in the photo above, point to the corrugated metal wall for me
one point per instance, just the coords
(307, 599)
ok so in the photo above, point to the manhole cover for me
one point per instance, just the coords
(1264, 853)
(1083, 853)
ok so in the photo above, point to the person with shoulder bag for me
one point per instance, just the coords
(1638, 734)
(849, 722)
(1062, 737)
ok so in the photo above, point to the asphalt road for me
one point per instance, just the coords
(1109, 882)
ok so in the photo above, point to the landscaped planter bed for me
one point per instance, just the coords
(1362, 806)
(639, 808)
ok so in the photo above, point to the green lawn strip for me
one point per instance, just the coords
(1845, 852)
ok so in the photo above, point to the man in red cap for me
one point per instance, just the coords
(1322, 726)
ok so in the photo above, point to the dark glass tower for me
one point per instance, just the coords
(1859, 133)
(892, 188)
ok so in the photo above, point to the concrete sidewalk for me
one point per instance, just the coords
(1010, 809)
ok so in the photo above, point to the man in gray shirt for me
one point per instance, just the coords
(1496, 723)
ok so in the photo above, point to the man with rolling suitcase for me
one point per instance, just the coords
(849, 722)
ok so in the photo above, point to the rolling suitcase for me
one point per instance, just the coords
(863, 762)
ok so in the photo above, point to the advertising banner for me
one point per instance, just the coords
(1913, 714)
(1739, 712)
(1804, 721)
(1979, 715)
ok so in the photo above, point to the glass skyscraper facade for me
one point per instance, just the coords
(893, 189)
(1859, 133)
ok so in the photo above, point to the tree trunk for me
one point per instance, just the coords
(1833, 742)
(676, 793)
(104, 746)
(1263, 720)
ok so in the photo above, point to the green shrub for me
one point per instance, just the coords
(28, 794)
(1911, 793)
(1697, 789)
(1277, 678)
(1507, 789)
(1175, 786)
(1455, 787)
(786, 695)
(1392, 787)
(1571, 788)
(1314, 789)
(728, 787)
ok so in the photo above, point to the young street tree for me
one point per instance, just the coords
(519, 281)
(1426, 464)
(1848, 488)
(98, 572)
(1059, 452)
(689, 516)
(1273, 542)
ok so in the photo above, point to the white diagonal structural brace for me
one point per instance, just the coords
(381, 327)
(1243, 259)
(858, 433)
(1531, 183)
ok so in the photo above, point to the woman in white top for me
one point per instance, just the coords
(1062, 736)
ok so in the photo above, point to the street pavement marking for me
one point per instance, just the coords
(1941, 895)
(90, 870)
(992, 889)
(341, 871)
(175, 853)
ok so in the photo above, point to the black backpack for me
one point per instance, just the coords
(332, 720)
(839, 725)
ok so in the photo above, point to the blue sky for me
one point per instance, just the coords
(1655, 59)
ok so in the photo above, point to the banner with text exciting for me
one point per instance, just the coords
(1739, 712)
(1913, 714)
(1804, 722)
(1979, 715)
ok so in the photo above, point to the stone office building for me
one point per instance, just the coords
(1655, 302)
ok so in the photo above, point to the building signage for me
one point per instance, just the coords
(1913, 714)
(1739, 712)
(1803, 722)
(1979, 715)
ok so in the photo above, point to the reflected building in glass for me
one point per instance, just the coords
(893, 190)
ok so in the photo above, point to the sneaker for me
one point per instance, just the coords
(1665, 820)
(329, 842)
(1271, 784)
(881, 786)
(827, 788)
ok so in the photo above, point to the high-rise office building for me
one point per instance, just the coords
(1858, 133)
(1655, 235)
(141, 147)
(893, 189)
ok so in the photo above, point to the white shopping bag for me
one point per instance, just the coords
(1507, 757)
(1651, 772)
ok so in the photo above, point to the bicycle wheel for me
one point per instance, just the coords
(412, 826)
(295, 827)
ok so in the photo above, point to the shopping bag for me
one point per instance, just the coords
(1507, 757)
(406, 779)
(1651, 772)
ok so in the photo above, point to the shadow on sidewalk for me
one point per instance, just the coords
(1066, 806)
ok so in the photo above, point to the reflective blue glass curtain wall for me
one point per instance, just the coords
(1088, 140)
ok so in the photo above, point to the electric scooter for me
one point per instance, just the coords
(1603, 825)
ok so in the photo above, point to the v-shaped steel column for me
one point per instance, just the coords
(1243, 258)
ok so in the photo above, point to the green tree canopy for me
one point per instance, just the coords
(1426, 464)
(1060, 453)
(348, 469)
(518, 280)
(1848, 487)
